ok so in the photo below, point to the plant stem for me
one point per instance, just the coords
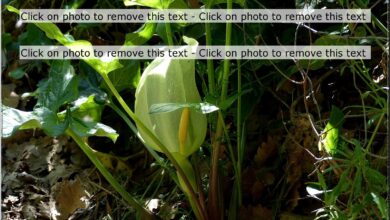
(102, 169)
(240, 150)
(210, 63)
(214, 205)
(169, 33)
(375, 132)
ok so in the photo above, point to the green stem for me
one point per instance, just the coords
(226, 64)
(168, 29)
(210, 63)
(374, 133)
(154, 139)
(240, 150)
(169, 33)
(102, 169)
(214, 207)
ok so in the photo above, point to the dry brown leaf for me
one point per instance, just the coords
(69, 197)
(266, 151)
(300, 163)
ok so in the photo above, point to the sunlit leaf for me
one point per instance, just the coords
(85, 129)
(332, 130)
(203, 108)
(381, 204)
(140, 36)
(14, 119)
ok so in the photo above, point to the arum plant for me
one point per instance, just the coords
(168, 106)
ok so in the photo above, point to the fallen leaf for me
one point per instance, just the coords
(266, 151)
(69, 197)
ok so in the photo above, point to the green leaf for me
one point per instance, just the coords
(86, 129)
(74, 4)
(381, 203)
(53, 32)
(377, 179)
(90, 81)
(102, 67)
(343, 185)
(230, 100)
(33, 36)
(178, 4)
(86, 107)
(17, 73)
(12, 9)
(203, 107)
(333, 40)
(146, 3)
(60, 88)
(141, 36)
(6, 38)
(126, 77)
(14, 119)
(332, 130)
(360, 31)
(51, 123)
(158, 4)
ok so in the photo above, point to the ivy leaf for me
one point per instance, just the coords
(203, 107)
(60, 88)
